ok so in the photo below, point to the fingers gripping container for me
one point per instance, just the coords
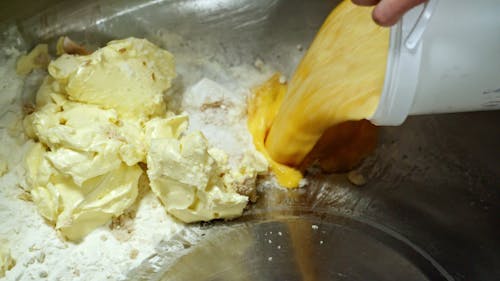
(444, 56)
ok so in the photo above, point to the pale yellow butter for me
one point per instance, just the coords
(89, 121)
(96, 118)
(189, 181)
(128, 75)
(82, 139)
(76, 210)
(165, 128)
(37, 58)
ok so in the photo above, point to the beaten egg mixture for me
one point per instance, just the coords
(339, 79)
(100, 122)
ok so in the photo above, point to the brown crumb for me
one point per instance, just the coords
(28, 108)
(42, 59)
(117, 122)
(122, 227)
(43, 274)
(259, 64)
(41, 257)
(25, 196)
(73, 48)
(356, 178)
(153, 76)
(117, 222)
(131, 214)
(247, 188)
(154, 204)
(76, 272)
(143, 166)
(134, 253)
(122, 50)
(206, 106)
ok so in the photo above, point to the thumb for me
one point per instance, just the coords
(388, 12)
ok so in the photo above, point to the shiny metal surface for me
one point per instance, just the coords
(430, 210)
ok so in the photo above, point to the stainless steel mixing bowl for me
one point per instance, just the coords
(430, 210)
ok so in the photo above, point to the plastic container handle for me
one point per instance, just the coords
(418, 29)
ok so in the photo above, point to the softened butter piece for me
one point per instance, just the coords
(77, 210)
(89, 126)
(38, 169)
(37, 58)
(188, 180)
(83, 139)
(165, 128)
(97, 201)
(129, 75)
(83, 180)
(96, 118)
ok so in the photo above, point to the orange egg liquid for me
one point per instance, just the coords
(339, 80)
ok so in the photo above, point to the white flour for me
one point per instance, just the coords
(105, 254)
(110, 252)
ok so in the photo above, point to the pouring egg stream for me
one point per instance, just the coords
(320, 116)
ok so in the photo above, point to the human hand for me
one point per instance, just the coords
(388, 12)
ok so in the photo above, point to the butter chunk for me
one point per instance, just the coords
(188, 180)
(97, 117)
(75, 125)
(170, 127)
(81, 140)
(37, 58)
(43, 95)
(77, 210)
(129, 75)
(48, 201)
(133, 147)
(78, 190)
(97, 201)
(38, 168)
(94, 119)
(81, 166)
(85, 140)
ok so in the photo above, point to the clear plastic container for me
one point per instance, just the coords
(444, 56)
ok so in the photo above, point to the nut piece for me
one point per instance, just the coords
(282, 80)
(356, 178)
(67, 46)
(259, 64)
(134, 253)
